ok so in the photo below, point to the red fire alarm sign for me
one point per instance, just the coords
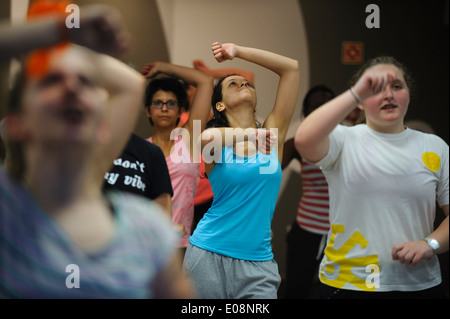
(352, 52)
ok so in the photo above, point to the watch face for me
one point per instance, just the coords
(433, 243)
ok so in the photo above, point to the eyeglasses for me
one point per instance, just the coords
(170, 104)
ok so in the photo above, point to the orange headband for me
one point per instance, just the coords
(38, 61)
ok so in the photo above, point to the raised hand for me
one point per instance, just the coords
(150, 69)
(373, 82)
(101, 29)
(200, 65)
(224, 52)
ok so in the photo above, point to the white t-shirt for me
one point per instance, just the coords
(383, 191)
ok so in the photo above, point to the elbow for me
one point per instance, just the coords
(300, 139)
(134, 85)
(294, 67)
(309, 146)
(303, 143)
(140, 84)
(208, 80)
(202, 79)
(136, 91)
(292, 71)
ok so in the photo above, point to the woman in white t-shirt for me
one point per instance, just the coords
(384, 180)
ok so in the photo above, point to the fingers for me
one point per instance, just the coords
(378, 82)
(217, 50)
(410, 253)
(219, 57)
(373, 82)
(266, 140)
(150, 69)
(404, 256)
(200, 65)
(104, 30)
(216, 45)
(223, 52)
(147, 68)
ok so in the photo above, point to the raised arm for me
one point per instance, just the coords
(200, 107)
(101, 30)
(311, 138)
(201, 103)
(125, 88)
(220, 73)
(288, 85)
(16, 40)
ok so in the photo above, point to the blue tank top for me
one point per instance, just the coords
(238, 224)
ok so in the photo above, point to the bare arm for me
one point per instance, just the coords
(201, 103)
(287, 93)
(285, 67)
(102, 31)
(27, 37)
(311, 138)
(441, 234)
(125, 89)
(414, 251)
(220, 73)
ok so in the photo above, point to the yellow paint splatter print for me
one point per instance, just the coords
(337, 270)
(432, 161)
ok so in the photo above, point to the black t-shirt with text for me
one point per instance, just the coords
(141, 169)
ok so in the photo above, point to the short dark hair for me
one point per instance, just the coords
(167, 84)
(321, 89)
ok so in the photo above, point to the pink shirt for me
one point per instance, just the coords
(184, 174)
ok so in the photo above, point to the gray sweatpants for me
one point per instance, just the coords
(217, 276)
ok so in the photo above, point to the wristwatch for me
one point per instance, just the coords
(433, 243)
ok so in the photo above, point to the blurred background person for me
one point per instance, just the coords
(305, 240)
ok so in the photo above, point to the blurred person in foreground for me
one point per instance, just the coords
(71, 112)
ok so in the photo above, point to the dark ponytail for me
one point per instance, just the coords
(219, 119)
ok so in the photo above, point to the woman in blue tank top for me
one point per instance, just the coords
(243, 167)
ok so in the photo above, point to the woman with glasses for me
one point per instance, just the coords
(165, 99)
